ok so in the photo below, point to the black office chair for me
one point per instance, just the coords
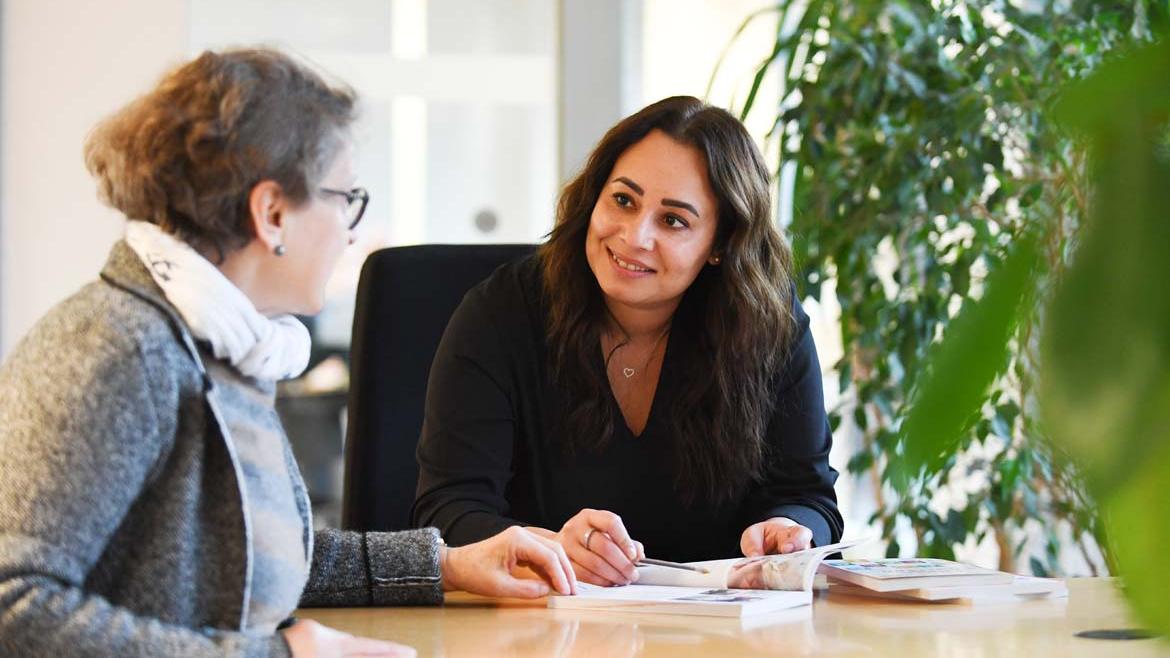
(405, 297)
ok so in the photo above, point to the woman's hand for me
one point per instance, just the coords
(487, 567)
(308, 639)
(600, 549)
(776, 535)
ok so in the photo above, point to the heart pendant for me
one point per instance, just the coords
(628, 372)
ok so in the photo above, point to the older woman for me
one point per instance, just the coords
(649, 373)
(149, 502)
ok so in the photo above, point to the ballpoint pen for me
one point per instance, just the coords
(672, 565)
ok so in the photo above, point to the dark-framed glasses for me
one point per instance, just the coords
(355, 203)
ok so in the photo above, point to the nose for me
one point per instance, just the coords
(639, 231)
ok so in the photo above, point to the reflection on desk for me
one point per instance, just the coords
(470, 626)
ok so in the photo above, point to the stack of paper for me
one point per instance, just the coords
(926, 579)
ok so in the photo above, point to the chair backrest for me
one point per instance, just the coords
(405, 297)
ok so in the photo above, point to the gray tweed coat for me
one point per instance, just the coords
(122, 531)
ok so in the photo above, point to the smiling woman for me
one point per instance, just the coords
(645, 256)
(647, 381)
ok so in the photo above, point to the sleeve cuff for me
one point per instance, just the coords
(809, 518)
(404, 567)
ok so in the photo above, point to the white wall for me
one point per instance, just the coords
(600, 73)
(66, 64)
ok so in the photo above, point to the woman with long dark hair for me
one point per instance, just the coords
(649, 373)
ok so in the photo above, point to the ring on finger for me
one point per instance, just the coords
(588, 535)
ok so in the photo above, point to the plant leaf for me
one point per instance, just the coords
(1140, 527)
(1106, 350)
(1107, 344)
(972, 353)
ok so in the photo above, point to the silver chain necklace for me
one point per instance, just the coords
(629, 372)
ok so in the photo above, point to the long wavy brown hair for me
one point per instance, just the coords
(737, 316)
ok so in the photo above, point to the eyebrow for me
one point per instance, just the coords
(632, 185)
(675, 203)
(681, 204)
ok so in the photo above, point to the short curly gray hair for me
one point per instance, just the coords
(186, 155)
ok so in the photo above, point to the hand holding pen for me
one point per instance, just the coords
(600, 548)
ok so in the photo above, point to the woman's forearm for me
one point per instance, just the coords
(374, 568)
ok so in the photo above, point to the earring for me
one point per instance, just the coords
(279, 250)
(715, 260)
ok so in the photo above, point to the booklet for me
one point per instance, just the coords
(678, 625)
(898, 574)
(1022, 588)
(734, 587)
(789, 571)
(716, 602)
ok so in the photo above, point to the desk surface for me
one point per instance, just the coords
(836, 625)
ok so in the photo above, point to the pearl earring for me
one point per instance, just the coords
(279, 250)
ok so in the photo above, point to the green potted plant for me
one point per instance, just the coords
(931, 179)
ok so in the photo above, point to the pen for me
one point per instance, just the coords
(672, 565)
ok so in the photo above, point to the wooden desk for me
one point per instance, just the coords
(835, 625)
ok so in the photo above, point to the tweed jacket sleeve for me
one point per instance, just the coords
(374, 568)
(84, 426)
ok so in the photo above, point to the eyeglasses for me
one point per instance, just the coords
(355, 203)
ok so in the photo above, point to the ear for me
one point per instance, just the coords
(266, 204)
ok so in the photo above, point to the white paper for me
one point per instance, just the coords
(718, 602)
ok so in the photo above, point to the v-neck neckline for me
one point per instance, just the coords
(651, 415)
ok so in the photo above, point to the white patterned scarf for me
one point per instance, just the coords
(217, 311)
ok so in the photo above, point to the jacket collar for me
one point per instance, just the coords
(125, 270)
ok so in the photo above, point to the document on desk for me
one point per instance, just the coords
(895, 574)
(735, 587)
(714, 602)
(1021, 588)
(789, 571)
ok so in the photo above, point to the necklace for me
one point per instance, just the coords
(629, 372)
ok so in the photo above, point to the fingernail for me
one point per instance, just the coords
(786, 548)
(632, 550)
(635, 577)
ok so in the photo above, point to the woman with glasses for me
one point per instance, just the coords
(149, 501)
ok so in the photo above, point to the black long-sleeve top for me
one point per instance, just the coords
(491, 451)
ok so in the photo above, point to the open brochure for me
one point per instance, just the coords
(789, 571)
(716, 602)
(678, 627)
(736, 587)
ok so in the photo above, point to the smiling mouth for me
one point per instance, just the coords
(625, 264)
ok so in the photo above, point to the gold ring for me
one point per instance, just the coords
(587, 537)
